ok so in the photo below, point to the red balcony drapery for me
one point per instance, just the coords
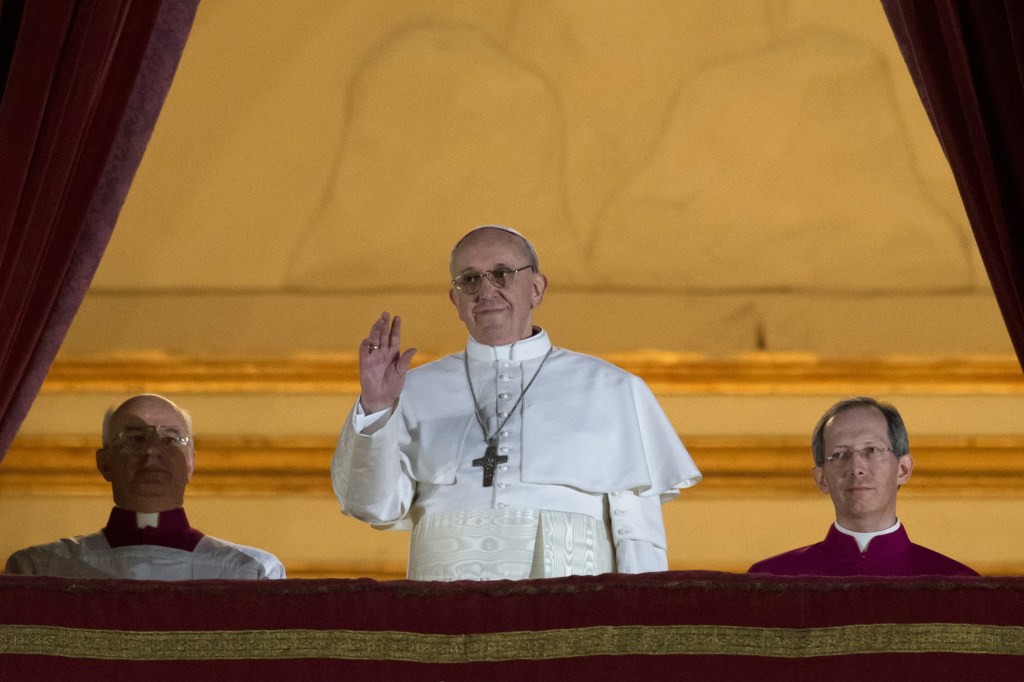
(83, 82)
(967, 61)
(676, 625)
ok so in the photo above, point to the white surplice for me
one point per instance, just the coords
(91, 556)
(588, 441)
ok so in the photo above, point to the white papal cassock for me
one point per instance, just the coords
(591, 458)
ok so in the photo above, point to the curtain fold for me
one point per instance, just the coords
(84, 86)
(967, 61)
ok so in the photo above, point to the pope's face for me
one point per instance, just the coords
(148, 470)
(863, 492)
(496, 316)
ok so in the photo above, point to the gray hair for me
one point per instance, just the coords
(897, 430)
(528, 250)
(112, 410)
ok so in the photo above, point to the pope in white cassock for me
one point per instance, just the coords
(515, 459)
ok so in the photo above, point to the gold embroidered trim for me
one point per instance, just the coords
(503, 646)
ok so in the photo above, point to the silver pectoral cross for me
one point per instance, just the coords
(490, 460)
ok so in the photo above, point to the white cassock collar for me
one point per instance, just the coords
(864, 538)
(529, 348)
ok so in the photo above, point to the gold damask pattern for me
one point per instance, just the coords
(959, 638)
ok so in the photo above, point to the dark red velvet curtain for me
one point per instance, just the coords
(967, 60)
(82, 83)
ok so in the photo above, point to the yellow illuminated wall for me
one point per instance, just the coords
(741, 201)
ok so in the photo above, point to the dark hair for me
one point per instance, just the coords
(897, 430)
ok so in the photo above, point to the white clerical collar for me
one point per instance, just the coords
(864, 538)
(529, 348)
(147, 519)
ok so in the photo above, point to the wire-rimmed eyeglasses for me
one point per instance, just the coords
(470, 282)
(871, 454)
(138, 438)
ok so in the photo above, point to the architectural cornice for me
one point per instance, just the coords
(745, 466)
(748, 464)
(677, 373)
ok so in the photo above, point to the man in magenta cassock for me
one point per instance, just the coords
(861, 458)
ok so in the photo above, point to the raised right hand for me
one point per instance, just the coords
(382, 365)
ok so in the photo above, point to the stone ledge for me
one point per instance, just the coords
(733, 466)
(665, 372)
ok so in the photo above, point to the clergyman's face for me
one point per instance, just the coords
(496, 316)
(863, 492)
(147, 469)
